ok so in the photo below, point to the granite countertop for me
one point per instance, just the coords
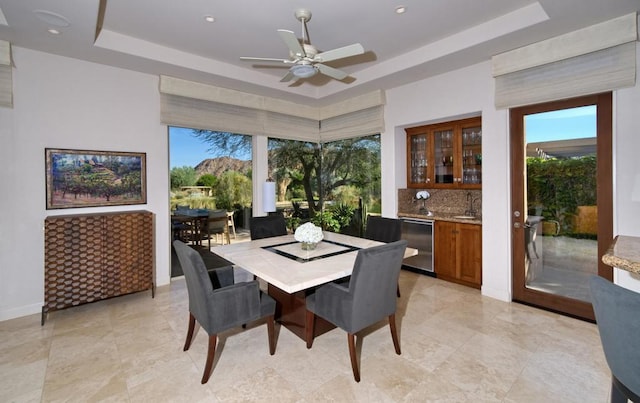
(624, 253)
(439, 216)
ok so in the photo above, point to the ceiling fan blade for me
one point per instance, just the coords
(292, 42)
(288, 77)
(265, 59)
(339, 53)
(331, 72)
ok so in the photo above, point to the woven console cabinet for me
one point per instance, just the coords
(91, 257)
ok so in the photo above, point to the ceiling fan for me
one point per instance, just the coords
(304, 56)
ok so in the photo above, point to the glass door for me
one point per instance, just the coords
(562, 201)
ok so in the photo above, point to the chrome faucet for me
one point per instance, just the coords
(471, 211)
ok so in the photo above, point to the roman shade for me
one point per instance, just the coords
(196, 105)
(6, 81)
(595, 59)
(355, 117)
(208, 115)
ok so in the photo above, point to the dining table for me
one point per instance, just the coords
(194, 219)
(292, 273)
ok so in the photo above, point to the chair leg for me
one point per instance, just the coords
(620, 393)
(271, 334)
(310, 321)
(211, 352)
(616, 394)
(394, 332)
(351, 338)
(192, 324)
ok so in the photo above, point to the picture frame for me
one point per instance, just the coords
(85, 178)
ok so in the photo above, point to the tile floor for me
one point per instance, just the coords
(457, 346)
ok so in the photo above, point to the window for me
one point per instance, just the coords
(333, 184)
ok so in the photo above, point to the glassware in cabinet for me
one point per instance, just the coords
(445, 157)
(452, 154)
(472, 155)
(418, 145)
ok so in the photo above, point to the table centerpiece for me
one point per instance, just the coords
(308, 235)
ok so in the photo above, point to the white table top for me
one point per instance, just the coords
(292, 275)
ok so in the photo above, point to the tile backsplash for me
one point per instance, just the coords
(444, 201)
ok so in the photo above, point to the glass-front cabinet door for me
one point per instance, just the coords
(445, 155)
(472, 155)
(418, 159)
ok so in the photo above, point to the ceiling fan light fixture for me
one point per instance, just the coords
(303, 70)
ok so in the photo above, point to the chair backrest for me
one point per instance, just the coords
(617, 312)
(383, 229)
(374, 282)
(266, 227)
(198, 282)
(218, 221)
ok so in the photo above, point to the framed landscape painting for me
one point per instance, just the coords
(80, 178)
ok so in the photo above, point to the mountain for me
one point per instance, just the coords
(217, 166)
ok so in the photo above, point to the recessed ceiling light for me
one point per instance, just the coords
(51, 18)
(53, 31)
(401, 9)
(209, 18)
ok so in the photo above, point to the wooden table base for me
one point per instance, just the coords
(291, 310)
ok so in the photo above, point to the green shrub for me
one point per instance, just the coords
(557, 186)
(342, 213)
(326, 221)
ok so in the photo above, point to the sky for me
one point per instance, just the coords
(575, 123)
(187, 150)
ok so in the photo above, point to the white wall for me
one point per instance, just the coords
(468, 91)
(453, 95)
(627, 171)
(66, 103)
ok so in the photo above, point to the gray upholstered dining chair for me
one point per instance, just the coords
(617, 315)
(218, 305)
(268, 226)
(383, 229)
(368, 298)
